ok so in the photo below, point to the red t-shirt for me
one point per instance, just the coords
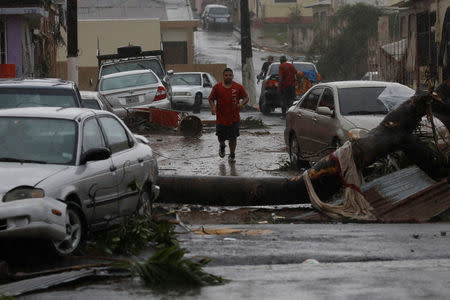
(227, 101)
(287, 73)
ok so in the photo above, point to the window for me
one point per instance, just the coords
(128, 81)
(310, 101)
(92, 135)
(206, 81)
(29, 96)
(327, 99)
(2, 42)
(115, 134)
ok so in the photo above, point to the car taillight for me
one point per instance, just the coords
(271, 83)
(160, 93)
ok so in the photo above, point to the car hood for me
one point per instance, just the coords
(16, 174)
(366, 121)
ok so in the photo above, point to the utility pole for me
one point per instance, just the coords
(72, 41)
(248, 75)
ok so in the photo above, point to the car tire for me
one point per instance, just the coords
(197, 103)
(145, 208)
(76, 233)
(263, 107)
(294, 154)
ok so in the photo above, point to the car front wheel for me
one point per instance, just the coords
(263, 107)
(294, 154)
(197, 103)
(75, 238)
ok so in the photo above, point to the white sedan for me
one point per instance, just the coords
(64, 171)
(191, 88)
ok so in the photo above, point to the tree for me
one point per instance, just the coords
(350, 30)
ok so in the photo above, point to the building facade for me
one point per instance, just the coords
(29, 37)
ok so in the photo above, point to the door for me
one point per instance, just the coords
(175, 52)
(98, 183)
(126, 164)
(306, 121)
(326, 126)
(207, 87)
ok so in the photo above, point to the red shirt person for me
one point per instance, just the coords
(287, 73)
(225, 101)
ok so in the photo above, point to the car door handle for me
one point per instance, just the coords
(112, 168)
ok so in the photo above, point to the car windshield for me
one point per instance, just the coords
(91, 103)
(298, 66)
(24, 97)
(37, 140)
(151, 64)
(127, 81)
(218, 11)
(361, 101)
(185, 79)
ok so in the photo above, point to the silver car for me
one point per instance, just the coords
(66, 170)
(133, 89)
(331, 113)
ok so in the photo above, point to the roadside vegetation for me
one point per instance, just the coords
(343, 46)
(168, 267)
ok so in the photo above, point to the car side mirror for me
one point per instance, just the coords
(170, 72)
(206, 85)
(324, 110)
(95, 154)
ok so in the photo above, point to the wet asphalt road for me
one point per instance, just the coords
(355, 261)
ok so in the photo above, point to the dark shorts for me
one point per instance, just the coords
(227, 132)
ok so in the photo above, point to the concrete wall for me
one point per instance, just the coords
(271, 9)
(112, 34)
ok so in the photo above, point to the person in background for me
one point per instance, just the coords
(228, 95)
(286, 87)
(265, 68)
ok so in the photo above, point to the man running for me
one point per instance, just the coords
(287, 73)
(228, 95)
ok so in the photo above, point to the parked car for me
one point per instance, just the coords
(38, 92)
(94, 100)
(216, 17)
(331, 113)
(66, 170)
(129, 58)
(270, 97)
(133, 89)
(191, 88)
(370, 76)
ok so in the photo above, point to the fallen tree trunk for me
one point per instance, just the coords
(394, 133)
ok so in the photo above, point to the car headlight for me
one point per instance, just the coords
(357, 133)
(23, 193)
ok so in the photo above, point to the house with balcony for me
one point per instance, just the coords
(29, 35)
(413, 42)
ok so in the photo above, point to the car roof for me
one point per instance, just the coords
(214, 5)
(69, 113)
(181, 73)
(125, 73)
(88, 94)
(357, 83)
(129, 59)
(36, 83)
(295, 62)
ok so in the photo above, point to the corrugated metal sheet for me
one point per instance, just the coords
(408, 195)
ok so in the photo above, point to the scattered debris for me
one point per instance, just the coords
(443, 233)
(416, 236)
(251, 122)
(227, 231)
(311, 261)
(190, 126)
